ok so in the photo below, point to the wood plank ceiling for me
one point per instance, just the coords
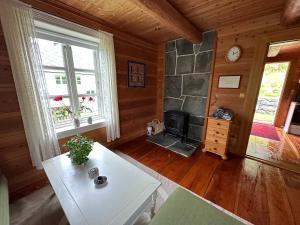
(204, 14)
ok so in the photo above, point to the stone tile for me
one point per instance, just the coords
(208, 39)
(184, 47)
(170, 63)
(185, 64)
(192, 142)
(197, 48)
(170, 46)
(197, 120)
(173, 86)
(203, 62)
(195, 84)
(194, 105)
(163, 139)
(195, 132)
(172, 104)
(182, 149)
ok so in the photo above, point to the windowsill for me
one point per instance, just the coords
(84, 127)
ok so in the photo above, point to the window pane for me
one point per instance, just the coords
(56, 81)
(86, 83)
(51, 52)
(61, 110)
(88, 106)
(83, 58)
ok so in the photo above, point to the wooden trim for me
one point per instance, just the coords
(160, 82)
(291, 13)
(255, 78)
(210, 85)
(167, 15)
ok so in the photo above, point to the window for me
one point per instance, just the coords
(57, 79)
(78, 80)
(72, 77)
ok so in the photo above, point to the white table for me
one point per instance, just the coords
(128, 192)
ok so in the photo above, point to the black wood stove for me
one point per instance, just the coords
(177, 123)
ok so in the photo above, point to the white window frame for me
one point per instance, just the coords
(67, 128)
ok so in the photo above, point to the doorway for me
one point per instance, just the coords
(270, 91)
(279, 84)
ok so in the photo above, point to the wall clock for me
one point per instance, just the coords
(234, 54)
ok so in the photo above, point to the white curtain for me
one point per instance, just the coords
(19, 31)
(109, 85)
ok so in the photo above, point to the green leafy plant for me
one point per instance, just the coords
(79, 147)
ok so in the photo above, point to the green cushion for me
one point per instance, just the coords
(4, 205)
(185, 208)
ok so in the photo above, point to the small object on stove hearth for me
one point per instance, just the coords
(100, 180)
(94, 172)
(149, 131)
(223, 113)
(156, 125)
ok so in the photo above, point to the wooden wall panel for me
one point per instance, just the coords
(243, 33)
(137, 106)
(160, 81)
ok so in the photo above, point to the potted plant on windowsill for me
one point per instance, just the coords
(79, 148)
(65, 111)
(84, 107)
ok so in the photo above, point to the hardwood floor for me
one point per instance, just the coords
(284, 153)
(257, 192)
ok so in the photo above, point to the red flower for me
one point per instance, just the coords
(83, 98)
(91, 98)
(58, 98)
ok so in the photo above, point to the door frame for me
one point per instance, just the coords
(255, 78)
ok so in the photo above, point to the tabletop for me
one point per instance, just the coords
(119, 202)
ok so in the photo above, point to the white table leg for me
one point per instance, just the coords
(154, 198)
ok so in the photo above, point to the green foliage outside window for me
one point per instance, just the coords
(273, 79)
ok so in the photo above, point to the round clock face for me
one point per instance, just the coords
(234, 53)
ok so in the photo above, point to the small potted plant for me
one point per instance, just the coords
(79, 148)
(65, 111)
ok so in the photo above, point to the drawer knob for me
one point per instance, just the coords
(217, 132)
(218, 124)
(215, 148)
(216, 141)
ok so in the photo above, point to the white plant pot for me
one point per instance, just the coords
(90, 120)
(76, 122)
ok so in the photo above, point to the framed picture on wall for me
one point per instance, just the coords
(229, 81)
(136, 74)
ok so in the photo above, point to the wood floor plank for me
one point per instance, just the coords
(278, 203)
(252, 200)
(179, 166)
(200, 174)
(259, 193)
(292, 188)
(157, 159)
(223, 188)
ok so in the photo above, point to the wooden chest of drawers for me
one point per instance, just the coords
(217, 133)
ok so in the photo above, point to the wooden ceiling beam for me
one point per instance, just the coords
(291, 12)
(168, 16)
